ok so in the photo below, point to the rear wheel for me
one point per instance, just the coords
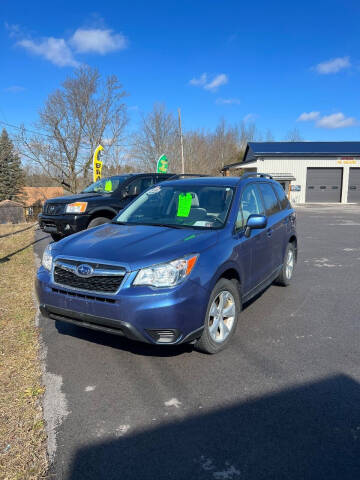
(95, 222)
(221, 317)
(287, 270)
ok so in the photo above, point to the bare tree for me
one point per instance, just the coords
(84, 113)
(157, 134)
(294, 136)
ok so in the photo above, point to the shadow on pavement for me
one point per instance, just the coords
(307, 432)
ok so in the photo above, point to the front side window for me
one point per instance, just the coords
(180, 207)
(270, 200)
(106, 185)
(138, 185)
(250, 204)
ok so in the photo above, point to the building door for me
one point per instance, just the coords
(354, 185)
(323, 185)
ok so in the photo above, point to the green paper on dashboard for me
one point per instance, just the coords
(184, 205)
(108, 186)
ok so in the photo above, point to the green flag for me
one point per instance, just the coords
(162, 164)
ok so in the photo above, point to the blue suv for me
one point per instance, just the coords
(176, 264)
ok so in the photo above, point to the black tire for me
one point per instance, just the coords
(95, 222)
(284, 279)
(56, 236)
(206, 343)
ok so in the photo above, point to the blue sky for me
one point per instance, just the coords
(281, 64)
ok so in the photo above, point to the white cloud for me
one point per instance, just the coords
(333, 65)
(219, 80)
(97, 40)
(14, 89)
(200, 81)
(53, 49)
(14, 30)
(336, 120)
(227, 101)
(308, 116)
(249, 117)
(213, 85)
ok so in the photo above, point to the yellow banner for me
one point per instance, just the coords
(97, 164)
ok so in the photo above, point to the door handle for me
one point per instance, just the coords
(269, 232)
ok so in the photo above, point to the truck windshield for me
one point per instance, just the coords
(106, 185)
(188, 206)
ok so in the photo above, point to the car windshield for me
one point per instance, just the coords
(106, 185)
(188, 206)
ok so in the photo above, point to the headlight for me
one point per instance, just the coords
(166, 274)
(77, 207)
(47, 257)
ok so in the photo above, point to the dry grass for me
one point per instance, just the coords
(22, 433)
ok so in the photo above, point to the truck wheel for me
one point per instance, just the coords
(95, 222)
(221, 317)
(56, 236)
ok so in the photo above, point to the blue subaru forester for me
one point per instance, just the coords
(176, 265)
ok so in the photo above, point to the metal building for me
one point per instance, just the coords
(325, 172)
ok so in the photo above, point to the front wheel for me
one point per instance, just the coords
(95, 222)
(287, 270)
(221, 317)
(56, 236)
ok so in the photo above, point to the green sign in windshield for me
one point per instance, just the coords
(184, 205)
(162, 164)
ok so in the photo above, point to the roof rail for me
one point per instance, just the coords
(256, 174)
(178, 176)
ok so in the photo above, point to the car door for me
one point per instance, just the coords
(275, 227)
(252, 252)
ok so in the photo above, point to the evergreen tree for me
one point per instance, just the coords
(11, 173)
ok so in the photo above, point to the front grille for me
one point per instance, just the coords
(96, 283)
(54, 208)
(83, 296)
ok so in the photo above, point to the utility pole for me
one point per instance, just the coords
(181, 143)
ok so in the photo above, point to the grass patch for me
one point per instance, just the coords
(22, 431)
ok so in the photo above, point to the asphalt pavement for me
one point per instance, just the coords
(282, 402)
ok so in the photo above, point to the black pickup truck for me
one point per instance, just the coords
(96, 204)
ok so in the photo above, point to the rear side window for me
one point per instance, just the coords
(284, 202)
(270, 199)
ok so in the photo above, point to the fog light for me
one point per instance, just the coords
(67, 227)
(164, 336)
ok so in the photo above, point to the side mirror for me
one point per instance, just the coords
(255, 222)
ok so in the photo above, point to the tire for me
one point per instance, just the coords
(95, 222)
(56, 236)
(228, 290)
(286, 274)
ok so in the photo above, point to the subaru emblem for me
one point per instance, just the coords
(84, 270)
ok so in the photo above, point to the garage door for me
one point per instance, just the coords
(354, 185)
(323, 184)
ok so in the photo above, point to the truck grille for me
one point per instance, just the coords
(105, 278)
(54, 208)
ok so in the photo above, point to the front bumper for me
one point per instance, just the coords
(64, 225)
(138, 313)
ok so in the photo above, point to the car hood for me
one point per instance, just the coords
(79, 197)
(135, 246)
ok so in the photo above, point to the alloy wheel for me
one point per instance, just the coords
(221, 316)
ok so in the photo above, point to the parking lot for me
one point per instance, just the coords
(282, 401)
